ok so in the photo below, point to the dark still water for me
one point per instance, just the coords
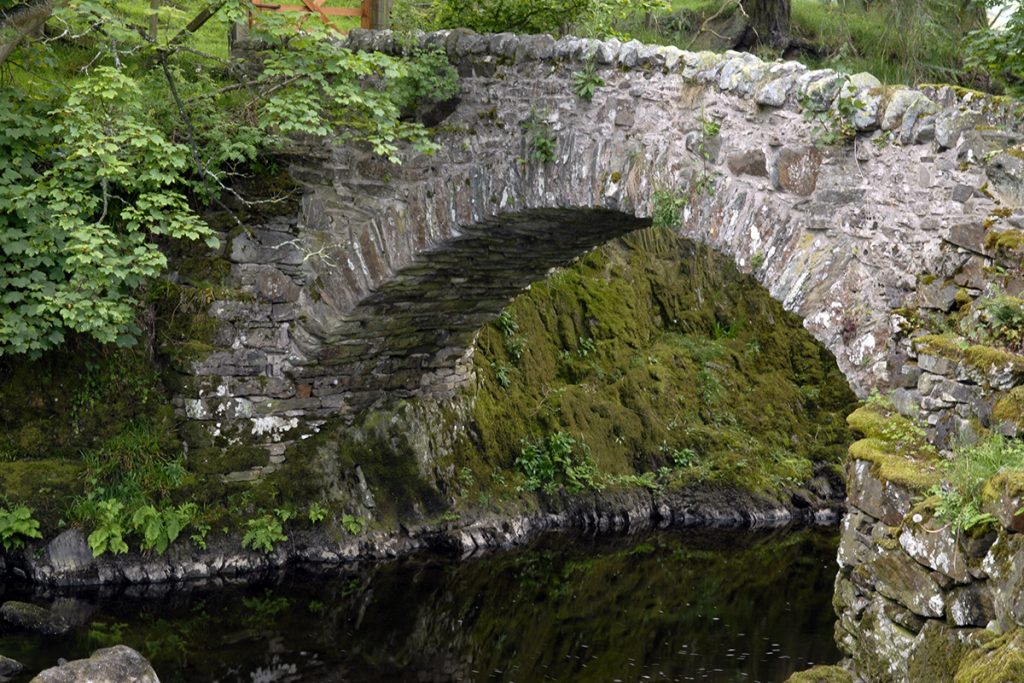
(665, 606)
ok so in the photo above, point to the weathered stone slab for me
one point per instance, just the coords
(934, 544)
(900, 578)
(884, 501)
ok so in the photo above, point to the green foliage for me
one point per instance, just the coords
(586, 81)
(502, 374)
(668, 208)
(316, 513)
(964, 477)
(353, 524)
(833, 126)
(17, 524)
(160, 528)
(263, 533)
(430, 78)
(581, 17)
(553, 461)
(101, 164)
(1000, 320)
(84, 194)
(540, 139)
(513, 341)
(1000, 52)
(110, 531)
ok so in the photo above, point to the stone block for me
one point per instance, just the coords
(748, 162)
(883, 500)
(796, 169)
(970, 605)
(934, 545)
(936, 365)
(899, 578)
(938, 295)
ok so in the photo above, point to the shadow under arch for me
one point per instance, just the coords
(414, 335)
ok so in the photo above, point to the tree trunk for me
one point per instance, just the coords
(768, 24)
(21, 23)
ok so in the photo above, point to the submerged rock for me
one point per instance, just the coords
(33, 618)
(9, 667)
(118, 664)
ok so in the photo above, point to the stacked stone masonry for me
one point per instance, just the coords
(374, 288)
(919, 601)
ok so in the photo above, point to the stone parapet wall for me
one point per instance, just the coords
(373, 288)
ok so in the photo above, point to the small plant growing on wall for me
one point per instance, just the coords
(668, 208)
(833, 126)
(540, 139)
(586, 81)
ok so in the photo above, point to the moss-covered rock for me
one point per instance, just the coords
(652, 351)
(821, 674)
(1001, 660)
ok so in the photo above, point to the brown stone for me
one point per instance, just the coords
(797, 169)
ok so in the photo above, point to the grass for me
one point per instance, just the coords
(965, 475)
(897, 42)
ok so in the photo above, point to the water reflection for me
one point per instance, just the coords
(669, 606)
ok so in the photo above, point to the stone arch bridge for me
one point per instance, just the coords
(376, 286)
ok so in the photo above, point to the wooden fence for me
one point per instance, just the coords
(371, 13)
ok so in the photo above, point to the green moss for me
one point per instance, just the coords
(821, 674)
(653, 346)
(235, 458)
(981, 357)
(1010, 407)
(204, 271)
(915, 474)
(1005, 242)
(46, 486)
(938, 652)
(945, 345)
(1001, 660)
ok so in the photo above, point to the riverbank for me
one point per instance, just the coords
(67, 560)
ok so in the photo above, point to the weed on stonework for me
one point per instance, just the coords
(964, 477)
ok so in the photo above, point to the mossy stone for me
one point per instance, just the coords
(821, 674)
(1001, 660)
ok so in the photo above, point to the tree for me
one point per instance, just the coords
(768, 24)
(113, 142)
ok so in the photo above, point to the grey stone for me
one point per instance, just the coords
(934, 545)
(118, 664)
(796, 169)
(31, 617)
(899, 578)
(900, 101)
(970, 605)
(936, 364)
(1005, 172)
(69, 553)
(882, 500)
(10, 667)
(748, 162)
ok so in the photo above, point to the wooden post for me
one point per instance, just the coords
(366, 16)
